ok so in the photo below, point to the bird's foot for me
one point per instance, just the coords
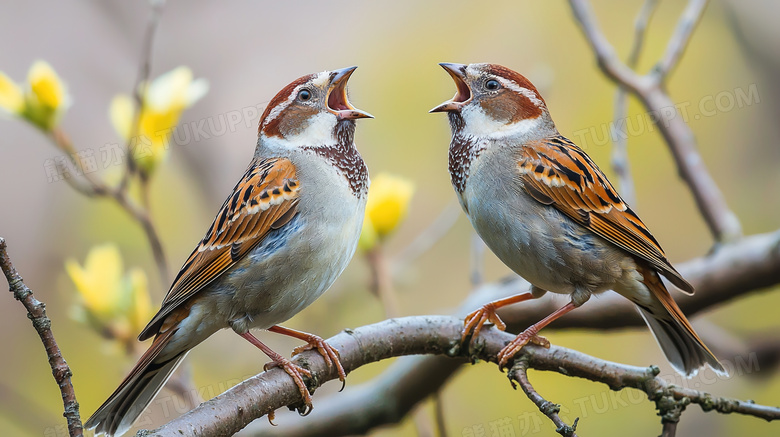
(475, 321)
(297, 373)
(525, 337)
(328, 352)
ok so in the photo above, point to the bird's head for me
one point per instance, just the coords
(313, 110)
(493, 101)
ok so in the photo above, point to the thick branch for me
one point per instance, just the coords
(36, 312)
(233, 410)
(722, 222)
(730, 273)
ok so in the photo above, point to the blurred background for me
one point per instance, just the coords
(247, 51)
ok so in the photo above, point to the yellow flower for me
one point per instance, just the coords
(388, 203)
(43, 99)
(141, 309)
(46, 98)
(113, 303)
(99, 281)
(11, 96)
(164, 99)
(45, 85)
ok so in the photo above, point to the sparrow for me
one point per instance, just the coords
(280, 239)
(550, 214)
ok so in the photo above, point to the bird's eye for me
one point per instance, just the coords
(492, 85)
(304, 95)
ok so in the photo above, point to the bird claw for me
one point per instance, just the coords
(474, 322)
(295, 371)
(510, 350)
(328, 352)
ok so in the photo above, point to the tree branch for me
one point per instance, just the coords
(722, 222)
(519, 374)
(268, 391)
(92, 186)
(139, 89)
(95, 187)
(669, 429)
(36, 312)
(734, 271)
(620, 136)
(382, 280)
(682, 35)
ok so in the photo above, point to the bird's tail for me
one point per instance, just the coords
(674, 333)
(134, 394)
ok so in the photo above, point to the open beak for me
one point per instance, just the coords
(463, 96)
(337, 96)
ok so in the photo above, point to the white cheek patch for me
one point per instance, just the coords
(479, 124)
(318, 132)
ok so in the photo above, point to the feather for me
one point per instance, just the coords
(556, 172)
(264, 199)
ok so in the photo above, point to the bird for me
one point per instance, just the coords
(547, 211)
(280, 240)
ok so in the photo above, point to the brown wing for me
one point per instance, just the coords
(266, 198)
(556, 172)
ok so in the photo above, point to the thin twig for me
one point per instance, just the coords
(681, 37)
(139, 89)
(77, 184)
(519, 374)
(606, 57)
(620, 161)
(722, 222)
(143, 218)
(96, 187)
(36, 312)
(382, 281)
(268, 391)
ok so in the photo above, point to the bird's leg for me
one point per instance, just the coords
(295, 371)
(529, 334)
(328, 352)
(474, 321)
